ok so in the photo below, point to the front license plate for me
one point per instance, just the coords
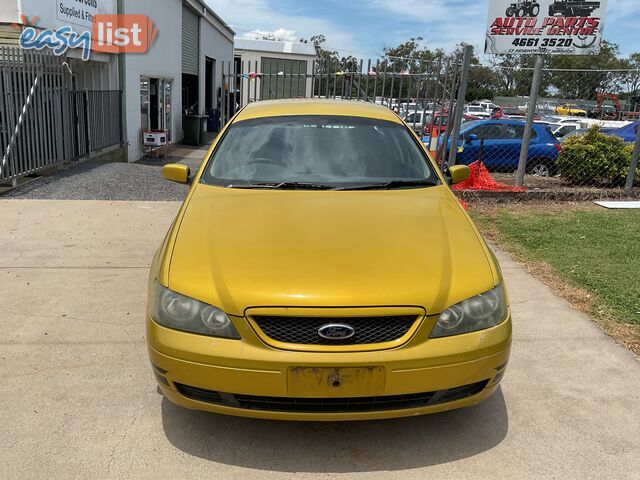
(336, 382)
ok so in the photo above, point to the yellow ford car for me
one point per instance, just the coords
(571, 110)
(320, 268)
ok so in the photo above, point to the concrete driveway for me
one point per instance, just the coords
(78, 399)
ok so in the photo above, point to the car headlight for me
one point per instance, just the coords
(476, 313)
(174, 310)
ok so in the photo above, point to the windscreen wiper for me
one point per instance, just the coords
(284, 186)
(423, 182)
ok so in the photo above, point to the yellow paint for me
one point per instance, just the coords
(330, 253)
(458, 173)
(176, 172)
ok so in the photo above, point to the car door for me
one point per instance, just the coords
(477, 137)
(505, 148)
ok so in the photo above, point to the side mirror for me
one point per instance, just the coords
(471, 138)
(176, 172)
(458, 173)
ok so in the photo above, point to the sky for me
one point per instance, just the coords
(363, 28)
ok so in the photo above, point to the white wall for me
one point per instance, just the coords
(99, 73)
(163, 60)
(50, 15)
(219, 46)
(9, 11)
(250, 57)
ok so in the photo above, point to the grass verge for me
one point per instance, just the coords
(590, 256)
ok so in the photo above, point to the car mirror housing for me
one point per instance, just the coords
(458, 173)
(176, 172)
(472, 137)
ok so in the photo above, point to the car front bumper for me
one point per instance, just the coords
(248, 378)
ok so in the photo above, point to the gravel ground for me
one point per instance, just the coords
(98, 180)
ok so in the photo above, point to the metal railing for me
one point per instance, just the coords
(556, 155)
(43, 122)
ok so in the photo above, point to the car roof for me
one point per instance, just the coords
(277, 108)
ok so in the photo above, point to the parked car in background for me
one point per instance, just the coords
(571, 109)
(628, 133)
(486, 104)
(476, 110)
(561, 130)
(416, 119)
(497, 143)
(505, 112)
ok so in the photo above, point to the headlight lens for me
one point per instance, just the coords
(476, 313)
(177, 311)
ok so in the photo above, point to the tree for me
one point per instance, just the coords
(598, 75)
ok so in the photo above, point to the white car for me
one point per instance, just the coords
(477, 111)
(488, 106)
(416, 119)
(565, 129)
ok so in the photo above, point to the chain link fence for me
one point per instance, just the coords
(581, 137)
(585, 126)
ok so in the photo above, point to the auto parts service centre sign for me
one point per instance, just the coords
(566, 27)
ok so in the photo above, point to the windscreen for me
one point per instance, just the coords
(328, 150)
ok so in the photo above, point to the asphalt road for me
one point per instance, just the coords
(79, 399)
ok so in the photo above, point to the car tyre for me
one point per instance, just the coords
(535, 10)
(541, 168)
(520, 12)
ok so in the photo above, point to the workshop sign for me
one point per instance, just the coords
(562, 27)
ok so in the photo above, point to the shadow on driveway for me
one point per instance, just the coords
(338, 447)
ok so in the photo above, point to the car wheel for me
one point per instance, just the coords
(535, 10)
(540, 169)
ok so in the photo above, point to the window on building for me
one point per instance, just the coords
(283, 78)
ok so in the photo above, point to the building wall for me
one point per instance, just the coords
(9, 11)
(250, 57)
(163, 60)
(218, 45)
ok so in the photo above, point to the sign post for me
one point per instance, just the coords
(531, 112)
(558, 27)
(462, 93)
(634, 163)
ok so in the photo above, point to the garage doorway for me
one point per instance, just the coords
(156, 104)
(210, 83)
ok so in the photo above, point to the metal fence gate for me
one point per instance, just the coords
(43, 122)
(426, 93)
(422, 92)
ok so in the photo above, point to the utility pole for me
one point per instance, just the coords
(462, 93)
(531, 112)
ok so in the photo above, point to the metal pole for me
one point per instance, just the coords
(462, 93)
(531, 112)
(634, 162)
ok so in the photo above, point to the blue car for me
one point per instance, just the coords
(628, 133)
(497, 143)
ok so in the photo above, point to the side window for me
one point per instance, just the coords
(566, 129)
(486, 132)
(409, 118)
(512, 132)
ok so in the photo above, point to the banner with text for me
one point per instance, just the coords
(564, 27)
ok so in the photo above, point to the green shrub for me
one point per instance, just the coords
(594, 158)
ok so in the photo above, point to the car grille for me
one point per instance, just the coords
(331, 405)
(304, 330)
